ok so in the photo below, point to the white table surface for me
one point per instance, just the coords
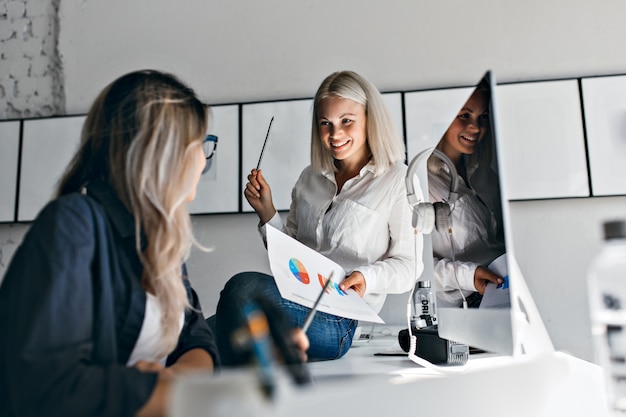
(362, 384)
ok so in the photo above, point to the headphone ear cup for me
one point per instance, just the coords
(443, 220)
(424, 217)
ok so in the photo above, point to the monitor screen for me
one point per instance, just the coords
(464, 219)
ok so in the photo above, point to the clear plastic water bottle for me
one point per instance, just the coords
(424, 305)
(607, 298)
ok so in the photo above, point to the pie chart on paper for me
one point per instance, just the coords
(299, 271)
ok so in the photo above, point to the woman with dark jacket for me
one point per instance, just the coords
(96, 311)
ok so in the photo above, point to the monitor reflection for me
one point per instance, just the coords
(469, 235)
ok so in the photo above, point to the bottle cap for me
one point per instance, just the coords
(614, 229)
(423, 284)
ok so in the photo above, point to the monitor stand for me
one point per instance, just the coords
(530, 335)
(515, 331)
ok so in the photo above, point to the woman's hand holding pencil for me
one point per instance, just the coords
(259, 195)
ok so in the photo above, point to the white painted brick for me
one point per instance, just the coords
(11, 93)
(39, 65)
(12, 88)
(5, 67)
(6, 31)
(31, 47)
(26, 86)
(47, 44)
(19, 104)
(21, 28)
(12, 48)
(38, 8)
(43, 89)
(19, 67)
(16, 9)
(41, 26)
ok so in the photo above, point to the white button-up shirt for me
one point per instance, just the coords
(366, 227)
(477, 230)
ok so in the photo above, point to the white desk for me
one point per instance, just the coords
(361, 384)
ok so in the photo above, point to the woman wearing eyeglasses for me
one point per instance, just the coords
(96, 312)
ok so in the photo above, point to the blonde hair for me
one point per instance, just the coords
(139, 137)
(383, 141)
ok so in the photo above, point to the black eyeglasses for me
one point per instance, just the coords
(209, 144)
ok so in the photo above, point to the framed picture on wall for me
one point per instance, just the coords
(9, 153)
(394, 104)
(428, 115)
(604, 100)
(287, 151)
(47, 148)
(543, 142)
(218, 190)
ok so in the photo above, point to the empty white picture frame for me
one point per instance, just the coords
(604, 100)
(218, 189)
(47, 148)
(429, 114)
(393, 101)
(9, 155)
(542, 141)
(287, 151)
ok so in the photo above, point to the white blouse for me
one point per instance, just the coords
(366, 227)
(148, 343)
(477, 230)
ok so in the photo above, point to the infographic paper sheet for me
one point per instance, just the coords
(301, 273)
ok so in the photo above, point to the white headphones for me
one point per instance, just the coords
(427, 216)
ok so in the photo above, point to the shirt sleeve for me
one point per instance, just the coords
(448, 272)
(51, 362)
(276, 222)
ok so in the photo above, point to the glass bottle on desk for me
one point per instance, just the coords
(607, 302)
(424, 305)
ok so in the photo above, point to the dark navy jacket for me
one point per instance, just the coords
(71, 309)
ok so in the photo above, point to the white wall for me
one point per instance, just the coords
(234, 51)
(554, 242)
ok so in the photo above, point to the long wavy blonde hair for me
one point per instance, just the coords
(139, 137)
(383, 140)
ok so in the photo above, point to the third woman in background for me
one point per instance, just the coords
(478, 237)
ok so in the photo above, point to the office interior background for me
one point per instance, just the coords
(55, 56)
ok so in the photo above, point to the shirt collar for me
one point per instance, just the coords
(121, 219)
(369, 167)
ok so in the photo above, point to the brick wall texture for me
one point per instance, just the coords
(31, 77)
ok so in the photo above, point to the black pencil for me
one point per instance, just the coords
(309, 317)
(267, 135)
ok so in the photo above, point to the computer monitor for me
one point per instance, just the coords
(511, 327)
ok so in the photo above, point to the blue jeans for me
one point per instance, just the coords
(330, 336)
